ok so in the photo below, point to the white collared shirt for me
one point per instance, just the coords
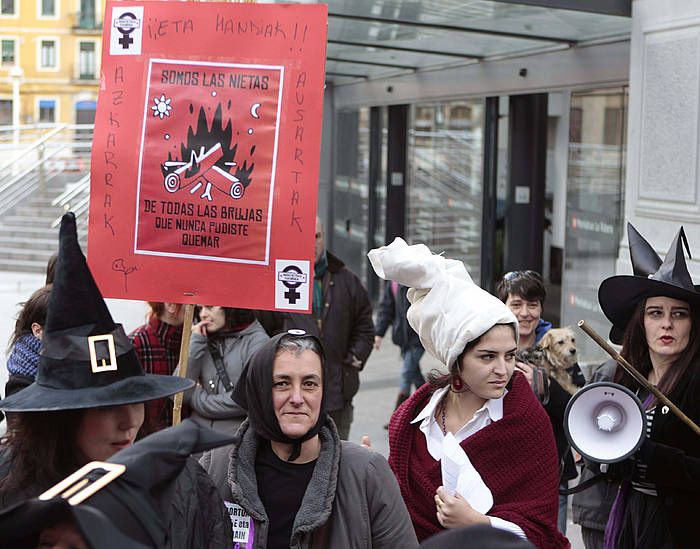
(491, 411)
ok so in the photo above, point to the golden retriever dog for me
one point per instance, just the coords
(559, 355)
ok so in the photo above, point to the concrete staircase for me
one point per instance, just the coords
(27, 239)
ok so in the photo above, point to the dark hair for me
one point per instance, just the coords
(42, 449)
(51, 267)
(33, 310)
(635, 350)
(438, 379)
(526, 284)
(157, 308)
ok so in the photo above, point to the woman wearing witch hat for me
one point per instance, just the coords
(656, 317)
(87, 400)
(290, 481)
(474, 445)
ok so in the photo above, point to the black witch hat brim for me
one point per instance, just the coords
(22, 525)
(130, 390)
(619, 295)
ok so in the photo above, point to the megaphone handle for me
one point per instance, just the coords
(631, 370)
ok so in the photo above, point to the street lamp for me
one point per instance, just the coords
(16, 74)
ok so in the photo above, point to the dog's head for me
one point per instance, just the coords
(559, 344)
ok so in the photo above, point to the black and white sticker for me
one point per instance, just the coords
(242, 524)
(127, 31)
(292, 282)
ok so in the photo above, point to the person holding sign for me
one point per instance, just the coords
(87, 401)
(222, 342)
(289, 481)
(655, 314)
(472, 446)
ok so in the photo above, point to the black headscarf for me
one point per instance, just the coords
(254, 392)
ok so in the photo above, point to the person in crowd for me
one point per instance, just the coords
(342, 320)
(392, 312)
(51, 268)
(142, 497)
(524, 293)
(25, 343)
(87, 400)
(481, 416)
(591, 507)
(222, 342)
(656, 317)
(157, 346)
(290, 481)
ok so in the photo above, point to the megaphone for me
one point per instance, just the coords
(605, 422)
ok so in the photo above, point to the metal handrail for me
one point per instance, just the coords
(33, 147)
(72, 190)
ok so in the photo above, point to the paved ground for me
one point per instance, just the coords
(373, 404)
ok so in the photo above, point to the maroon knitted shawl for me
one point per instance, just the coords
(515, 456)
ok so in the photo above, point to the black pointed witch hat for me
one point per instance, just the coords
(116, 504)
(86, 359)
(619, 295)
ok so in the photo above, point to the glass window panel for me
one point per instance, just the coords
(7, 7)
(351, 190)
(594, 216)
(5, 112)
(87, 61)
(444, 195)
(48, 8)
(48, 54)
(8, 52)
(47, 111)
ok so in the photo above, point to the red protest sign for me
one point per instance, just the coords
(205, 154)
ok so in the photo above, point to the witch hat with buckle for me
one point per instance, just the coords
(118, 503)
(619, 295)
(86, 359)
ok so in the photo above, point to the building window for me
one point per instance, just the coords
(5, 112)
(8, 51)
(48, 8)
(87, 14)
(7, 7)
(48, 54)
(47, 111)
(87, 61)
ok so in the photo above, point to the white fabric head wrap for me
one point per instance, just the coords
(447, 309)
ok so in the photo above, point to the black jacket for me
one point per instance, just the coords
(673, 459)
(392, 312)
(345, 328)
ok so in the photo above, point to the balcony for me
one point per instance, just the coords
(86, 23)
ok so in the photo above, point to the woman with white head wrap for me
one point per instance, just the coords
(474, 445)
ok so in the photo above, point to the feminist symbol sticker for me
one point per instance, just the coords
(292, 284)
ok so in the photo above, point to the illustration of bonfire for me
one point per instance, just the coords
(208, 161)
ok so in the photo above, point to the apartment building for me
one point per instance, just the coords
(50, 60)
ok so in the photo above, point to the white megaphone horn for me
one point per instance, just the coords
(605, 422)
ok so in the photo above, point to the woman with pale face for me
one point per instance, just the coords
(656, 317)
(290, 480)
(473, 445)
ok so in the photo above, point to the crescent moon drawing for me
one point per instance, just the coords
(254, 110)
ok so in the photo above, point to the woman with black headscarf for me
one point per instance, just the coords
(290, 481)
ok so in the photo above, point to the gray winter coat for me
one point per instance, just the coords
(352, 501)
(210, 401)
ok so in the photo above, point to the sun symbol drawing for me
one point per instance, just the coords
(162, 106)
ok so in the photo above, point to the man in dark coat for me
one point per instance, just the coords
(342, 320)
(392, 312)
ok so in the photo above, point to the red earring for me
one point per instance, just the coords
(457, 383)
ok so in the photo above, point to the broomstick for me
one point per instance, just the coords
(182, 362)
(637, 376)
